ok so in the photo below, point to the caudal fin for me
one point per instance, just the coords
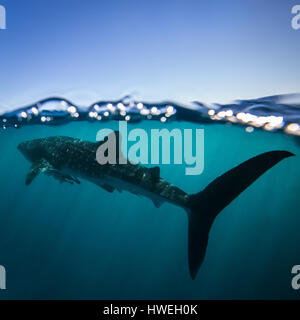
(204, 206)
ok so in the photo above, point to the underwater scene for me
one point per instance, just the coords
(80, 241)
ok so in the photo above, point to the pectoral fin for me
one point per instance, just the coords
(33, 172)
(45, 167)
(35, 169)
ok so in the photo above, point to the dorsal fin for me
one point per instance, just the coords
(155, 174)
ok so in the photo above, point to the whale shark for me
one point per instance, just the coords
(70, 159)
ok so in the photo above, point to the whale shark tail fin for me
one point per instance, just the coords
(204, 206)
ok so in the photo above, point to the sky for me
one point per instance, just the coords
(182, 50)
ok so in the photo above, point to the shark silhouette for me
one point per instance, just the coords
(69, 159)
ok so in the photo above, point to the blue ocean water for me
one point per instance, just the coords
(78, 241)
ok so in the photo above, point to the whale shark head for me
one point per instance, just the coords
(31, 150)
